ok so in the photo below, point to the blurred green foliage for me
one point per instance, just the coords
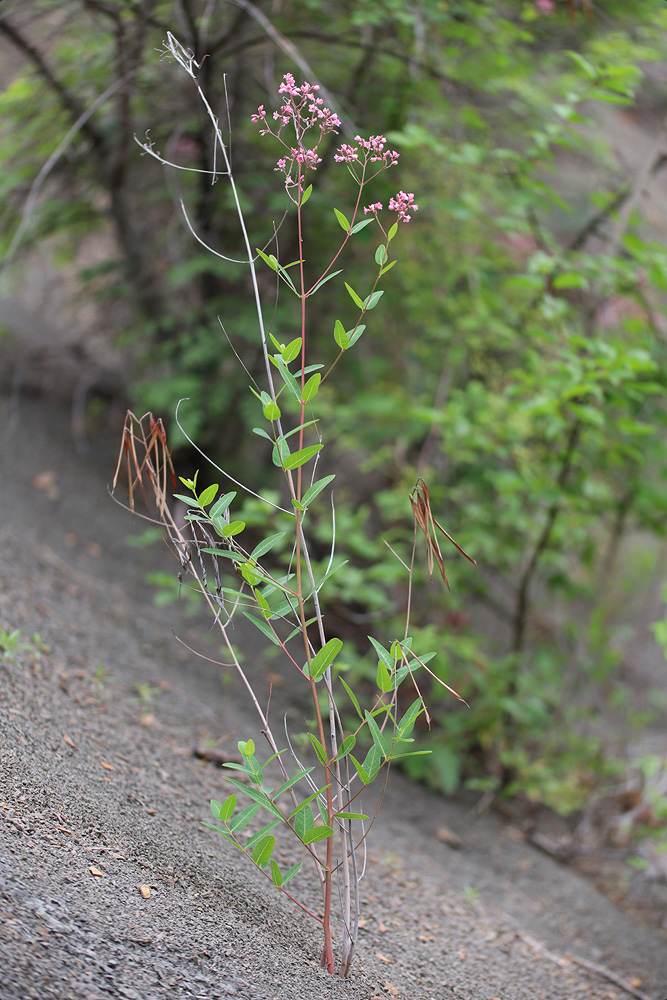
(518, 363)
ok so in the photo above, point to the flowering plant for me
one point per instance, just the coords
(327, 819)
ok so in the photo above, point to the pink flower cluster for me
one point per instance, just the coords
(372, 151)
(401, 203)
(303, 109)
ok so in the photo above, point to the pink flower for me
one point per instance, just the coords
(401, 203)
(346, 154)
(374, 208)
(545, 7)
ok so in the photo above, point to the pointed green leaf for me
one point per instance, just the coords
(342, 221)
(356, 333)
(383, 678)
(221, 505)
(256, 837)
(349, 815)
(233, 528)
(292, 350)
(317, 833)
(353, 295)
(379, 739)
(290, 381)
(265, 546)
(340, 336)
(242, 819)
(280, 452)
(276, 874)
(268, 259)
(372, 762)
(246, 748)
(381, 254)
(263, 850)
(263, 627)
(352, 696)
(324, 280)
(409, 718)
(291, 872)
(301, 457)
(361, 771)
(223, 833)
(292, 781)
(306, 802)
(319, 749)
(393, 231)
(315, 489)
(388, 267)
(208, 495)
(358, 226)
(383, 654)
(304, 198)
(325, 657)
(372, 300)
(346, 746)
(258, 796)
(311, 387)
(303, 822)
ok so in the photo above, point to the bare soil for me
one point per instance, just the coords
(100, 795)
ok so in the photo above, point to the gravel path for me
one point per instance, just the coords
(100, 796)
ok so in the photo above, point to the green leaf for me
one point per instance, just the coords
(246, 747)
(292, 350)
(352, 696)
(303, 822)
(353, 295)
(409, 718)
(263, 850)
(190, 501)
(258, 796)
(383, 678)
(324, 280)
(349, 815)
(319, 749)
(223, 833)
(291, 872)
(207, 496)
(583, 64)
(280, 452)
(304, 198)
(263, 627)
(315, 489)
(272, 411)
(311, 387)
(372, 762)
(256, 837)
(215, 808)
(381, 254)
(306, 802)
(379, 739)
(292, 781)
(268, 259)
(276, 874)
(361, 771)
(358, 226)
(317, 833)
(392, 232)
(233, 528)
(344, 224)
(238, 822)
(325, 657)
(221, 505)
(354, 335)
(301, 457)
(290, 381)
(388, 267)
(263, 547)
(383, 654)
(346, 746)
(372, 300)
(340, 336)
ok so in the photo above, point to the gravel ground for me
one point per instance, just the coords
(100, 795)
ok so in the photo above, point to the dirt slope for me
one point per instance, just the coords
(97, 799)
